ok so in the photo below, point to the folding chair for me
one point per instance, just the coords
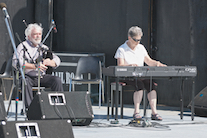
(92, 66)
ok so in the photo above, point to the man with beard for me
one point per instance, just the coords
(33, 49)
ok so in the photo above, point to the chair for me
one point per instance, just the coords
(92, 67)
(7, 74)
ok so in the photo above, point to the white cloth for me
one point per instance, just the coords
(132, 56)
(33, 54)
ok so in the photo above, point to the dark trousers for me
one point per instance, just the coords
(47, 80)
(141, 84)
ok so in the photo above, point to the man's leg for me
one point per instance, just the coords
(152, 97)
(53, 82)
(137, 97)
(137, 100)
(28, 91)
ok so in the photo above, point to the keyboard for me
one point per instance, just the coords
(149, 71)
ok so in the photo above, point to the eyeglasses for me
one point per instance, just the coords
(136, 40)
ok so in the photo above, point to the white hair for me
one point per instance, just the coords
(29, 29)
(135, 31)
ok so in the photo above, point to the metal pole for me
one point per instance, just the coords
(50, 11)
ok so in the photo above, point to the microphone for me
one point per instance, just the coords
(54, 26)
(3, 8)
(45, 48)
(24, 23)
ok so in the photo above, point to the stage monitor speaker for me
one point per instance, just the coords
(36, 129)
(75, 106)
(2, 108)
(200, 103)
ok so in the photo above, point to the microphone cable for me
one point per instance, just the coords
(56, 108)
(73, 115)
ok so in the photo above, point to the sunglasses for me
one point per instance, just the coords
(136, 40)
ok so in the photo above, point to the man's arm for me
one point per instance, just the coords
(121, 62)
(35, 66)
(30, 66)
(151, 62)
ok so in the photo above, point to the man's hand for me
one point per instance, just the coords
(49, 62)
(133, 65)
(159, 64)
(43, 68)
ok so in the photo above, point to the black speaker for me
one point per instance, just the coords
(75, 106)
(200, 103)
(36, 129)
(2, 108)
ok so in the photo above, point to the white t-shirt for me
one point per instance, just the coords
(132, 56)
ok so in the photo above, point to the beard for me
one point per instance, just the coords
(36, 41)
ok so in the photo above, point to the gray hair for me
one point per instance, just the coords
(135, 31)
(29, 29)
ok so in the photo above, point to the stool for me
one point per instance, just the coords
(113, 88)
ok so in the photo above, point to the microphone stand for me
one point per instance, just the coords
(9, 28)
(23, 84)
(17, 91)
(39, 58)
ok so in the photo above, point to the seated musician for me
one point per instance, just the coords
(132, 53)
(33, 35)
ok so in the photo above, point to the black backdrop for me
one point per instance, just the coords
(97, 26)
(180, 37)
(178, 32)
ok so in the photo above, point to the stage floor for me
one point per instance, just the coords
(171, 126)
